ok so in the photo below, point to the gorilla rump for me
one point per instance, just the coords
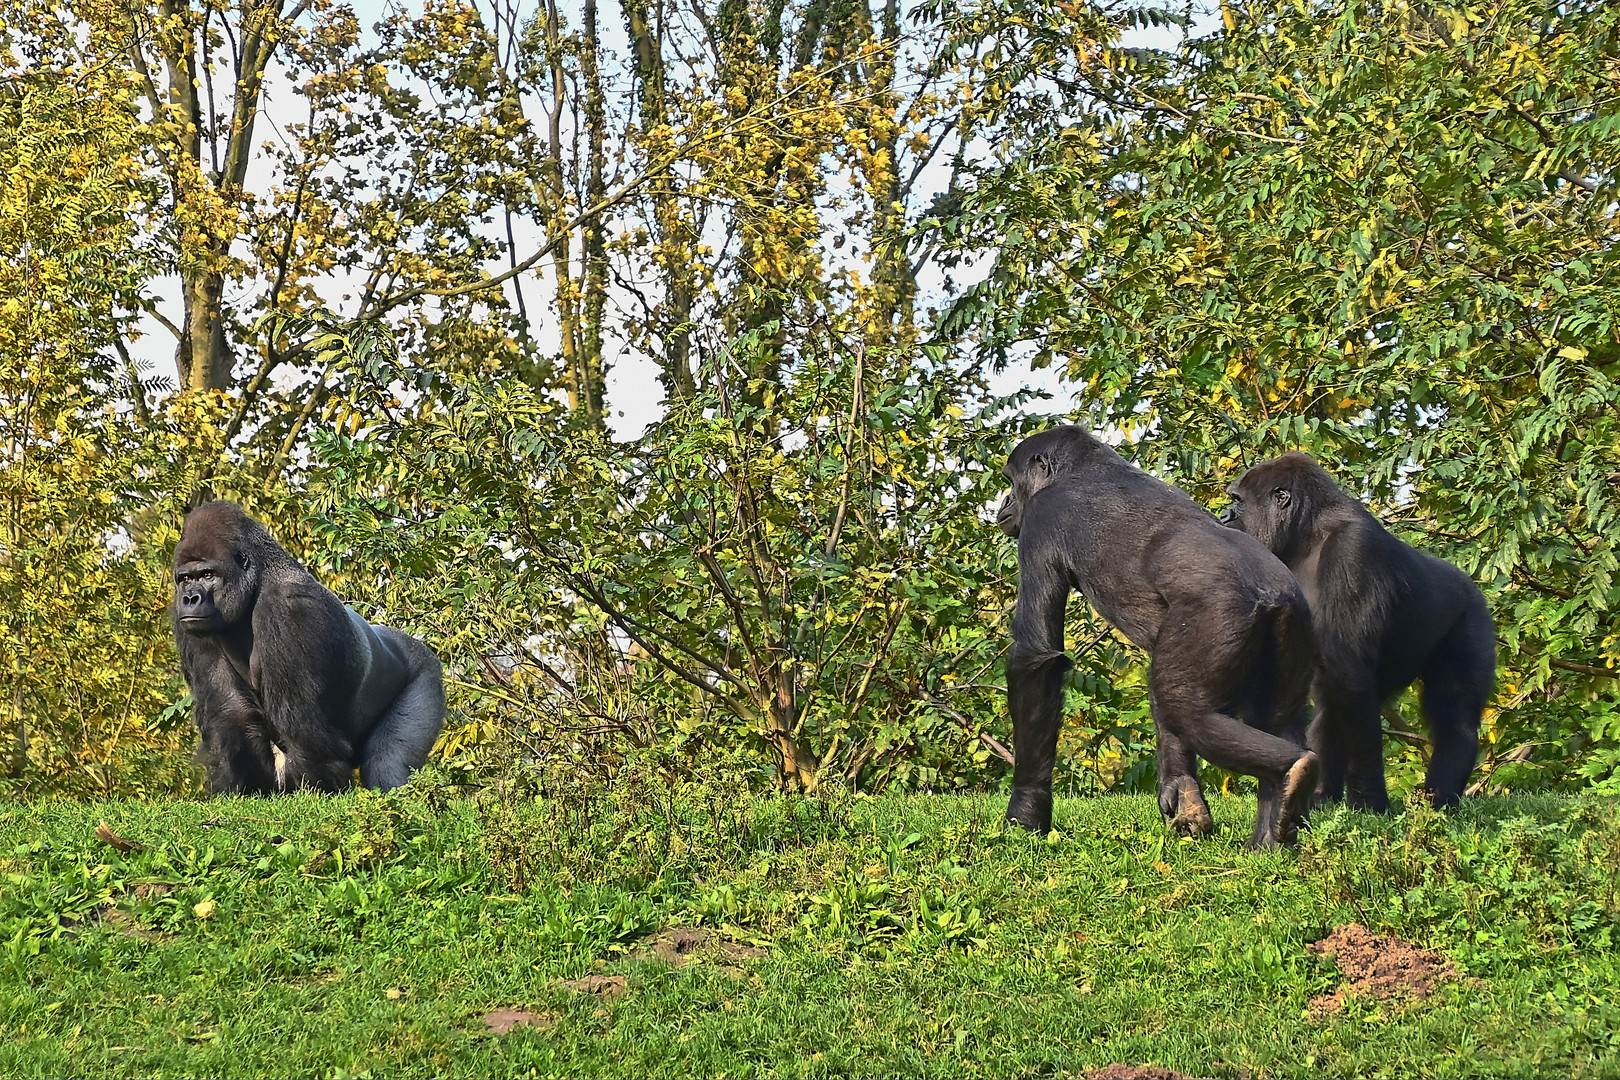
(275, 662)
(1386, 615)
(1225, 626)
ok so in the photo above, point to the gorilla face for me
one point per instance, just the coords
(1272, 502)
(1026, 479)
(1034, 465)
(215, 577)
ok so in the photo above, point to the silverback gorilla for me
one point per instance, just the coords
(1224, 624)
(1386, 615)
(275, 662)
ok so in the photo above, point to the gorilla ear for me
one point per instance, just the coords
(1044, 462)
(1282, 496)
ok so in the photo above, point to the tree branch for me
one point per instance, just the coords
(1567, 665)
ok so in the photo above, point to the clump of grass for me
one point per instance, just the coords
(1510, 885)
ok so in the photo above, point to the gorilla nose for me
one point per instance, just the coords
(192, 598)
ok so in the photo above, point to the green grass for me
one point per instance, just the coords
(368, 935)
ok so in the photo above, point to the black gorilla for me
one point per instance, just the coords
(1386, 615)
(1225, 626)
(275, 662)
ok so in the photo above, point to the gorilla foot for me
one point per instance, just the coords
(1372, 802)
(1193, 821)
(1185, 810)
(1443, 800)
(1031, 809)
(1298, 788)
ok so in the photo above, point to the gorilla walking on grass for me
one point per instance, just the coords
(1224, 624)
(1386, 615)
(276, 663)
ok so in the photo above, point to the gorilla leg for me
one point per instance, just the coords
(1181, 799)
(405, 733)
(1351, 723)
(1286, 771)
(317, 759)
(1456, 685)
(1323, 739)
(1198, 674)
(1277, 702)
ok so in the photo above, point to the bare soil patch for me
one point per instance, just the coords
(123, 922)
(686, 944)
(610, 986)
(1132, 1072)
(1377, 966)
(500, 1021)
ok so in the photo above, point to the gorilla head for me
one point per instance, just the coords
(1034, 465)
(217, 568)
(1278, 502)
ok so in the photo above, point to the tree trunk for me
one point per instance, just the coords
(594, 279)
(673, 230)
(203, 357)
(174, 37)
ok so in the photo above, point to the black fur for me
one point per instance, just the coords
(1386, 615)
(1224, 624)
(276, 662)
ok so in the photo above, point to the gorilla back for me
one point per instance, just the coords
(276, 662)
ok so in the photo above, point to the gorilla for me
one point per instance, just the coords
(1386, 615)
(1225, 626)
(290, 688)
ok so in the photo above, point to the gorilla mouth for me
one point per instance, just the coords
(193, 620)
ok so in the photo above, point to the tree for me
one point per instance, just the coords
(1379, 233)
(82, 635)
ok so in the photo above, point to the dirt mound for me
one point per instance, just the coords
(501, 1021)
(681, 945)
(1131, 1072)
(1379, 966)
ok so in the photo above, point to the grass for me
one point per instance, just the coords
(901, 936)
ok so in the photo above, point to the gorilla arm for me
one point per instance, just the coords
(235, 739)
(302, 662)
(1036, 670)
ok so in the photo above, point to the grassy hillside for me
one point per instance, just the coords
(370, 935)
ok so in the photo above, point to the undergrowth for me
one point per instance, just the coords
(369, 935)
